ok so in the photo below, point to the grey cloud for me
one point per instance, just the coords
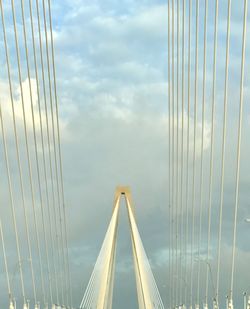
(112, 77)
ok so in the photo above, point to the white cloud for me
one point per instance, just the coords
(111, 61)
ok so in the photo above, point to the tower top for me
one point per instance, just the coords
(125, 191)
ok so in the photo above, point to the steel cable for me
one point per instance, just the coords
(42, 143)
(36, 147)
(201, 203)
(182, 152)
(48, 139)
(60, 155)
(63, 280)
(194, 147)
(223, 151)
(173, 156)
(177, 155)
(211, 164)
(170, 159)
(13, 211)
(20, 172)
(238, 148)
(188, 145)
(5, 256)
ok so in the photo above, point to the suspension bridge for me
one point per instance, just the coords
(207, 52)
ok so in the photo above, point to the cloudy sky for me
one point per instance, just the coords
(114, 95)
(112, 74)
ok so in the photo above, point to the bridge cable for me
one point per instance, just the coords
(90, 296)
(13, 211)
(48, 138)
(96, 272)
(43, 145)
(170, 160)
(142, 260)
(26, 137)
(5, 256)
(211, 159)
(201, 202)
(15, 129)
(27, 231)
(55, 152)
(173, 154)
(36, 149)
(223, 152)
(194, 149)
(182, 155)
(238, 147)
(188, 147)
(93, 288)
(177, 153)
(60, 155)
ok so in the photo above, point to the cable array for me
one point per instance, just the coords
(198, 139)
(30, 126)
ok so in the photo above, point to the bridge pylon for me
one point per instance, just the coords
(99, 292)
